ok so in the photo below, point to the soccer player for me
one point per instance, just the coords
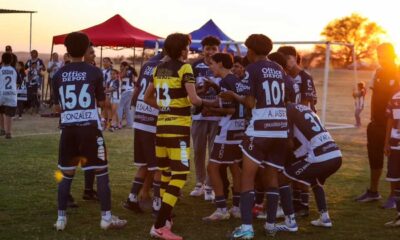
(39, 65)
(21, 89)
(392, 151)
(144, 154)
(114, 91)
(128, 75)
(8, 94)
(384, 84)
(359, 97)
(172, 91)
(316, 156)
(204, 128)
(226, 149)
(106, 110)
(265, 141)
(78, 90)
(307, 94)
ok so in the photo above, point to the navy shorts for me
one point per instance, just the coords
(8, 111)
(226, 153)
(266, 151)
(82, 146)
(393, 172)
(312, 173)
(144, 149)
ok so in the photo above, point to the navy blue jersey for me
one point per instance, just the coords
(291, 89)
(393, 112)
(232, 127)
(201, 72)
(267, 86)
(145, 115)
(312, 141)
(115, 85)
(306, 87)
(76, 87)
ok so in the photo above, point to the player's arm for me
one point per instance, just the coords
(195, 99)
(247, 100)
(99, 90)
(149, 96)
(215, 111)
(135, 96)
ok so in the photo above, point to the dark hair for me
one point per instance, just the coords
(288, 51)
(34, 51)
(259, 43)
(8, 48)
(6, 58)
(210, 41)
(77, 43)
(238, 59)
(22, 70)
(124, 63)
(115, 71)
(175, 43)
(361, 84)
(108, 59)
(279, 58)
(224, 58)
(245, 61)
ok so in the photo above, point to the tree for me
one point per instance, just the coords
(363, 33)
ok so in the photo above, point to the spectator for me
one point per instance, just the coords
(39, 66)
(359, 95)
(33, 87)
(128, 75)
(22, 95)
(54, 65)
(14, 57)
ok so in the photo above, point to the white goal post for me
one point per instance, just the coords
(328, 45)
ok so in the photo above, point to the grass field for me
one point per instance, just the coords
(28, 187)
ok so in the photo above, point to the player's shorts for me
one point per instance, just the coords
(115, 100)
(173, 153)
(375, 144)
(393, 172)
(312, 173)
(82, 146)
(8, 111)
(266, 151)
(226, 153)
(144, 149)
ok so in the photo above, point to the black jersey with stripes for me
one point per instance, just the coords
(145, 115)
(77, 87)
(266, 80)
(312, 142)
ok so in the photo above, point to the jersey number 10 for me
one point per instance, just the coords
(69, 100)
(274, 93)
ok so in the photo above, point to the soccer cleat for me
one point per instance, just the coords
(394, 223)
(280, 213)
(218, 215)
(90, 195)
(241, 233)
(61, 223)
(113, 223)
(270, 229)
(198, 190)
(257, 210)
(390, 203)
(132, 206)
(287, 226)
(322, 223)
(235, 212)
(164, 233)
(368, 196)
(208, 194)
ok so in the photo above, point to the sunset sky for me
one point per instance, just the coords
(283, 20)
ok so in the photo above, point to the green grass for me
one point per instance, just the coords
(28, 188)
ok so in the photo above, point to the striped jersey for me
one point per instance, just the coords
(266, 80)
(305, 86)
(231, 127)
(106, 76)
(145, 115)
(202, 72)
(8, 86)
(169, 81)
(393, 112)
(115, 84)
(312, 141)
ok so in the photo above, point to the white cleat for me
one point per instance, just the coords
(61, 223)
(280, 213)
(208, 194)
(394, 223)
(218, 215)
(327, 223)
(113, 223)
(289, 225)
(198, 190)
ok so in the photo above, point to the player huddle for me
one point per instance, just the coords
(255, 114)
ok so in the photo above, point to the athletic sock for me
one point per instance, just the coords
(89, 180)
(319, 194)
(285, 193)
(64, 188)
(106, 215)
(136, 186)
(103, 190)
(246, 204)
(259, 197)
(220, 203)
(272, 204)
(156, 188)
(236, 199)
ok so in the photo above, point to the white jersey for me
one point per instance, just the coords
(8, 86)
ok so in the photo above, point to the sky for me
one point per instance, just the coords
(283, 20)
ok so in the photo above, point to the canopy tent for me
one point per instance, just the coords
(209, 28)
(115, 32)
(8, 11)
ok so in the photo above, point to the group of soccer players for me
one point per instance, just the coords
(256, 114)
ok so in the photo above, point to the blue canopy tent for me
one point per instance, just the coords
(209, 28)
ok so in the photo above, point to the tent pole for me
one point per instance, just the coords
(30, 33)
(326, 78)
(355, 74)
(48, 85)
(101, 56)
(141, 62)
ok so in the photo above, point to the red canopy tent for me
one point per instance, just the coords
(115, 32)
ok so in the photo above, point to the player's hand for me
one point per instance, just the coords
(386, 150)
(227, 95)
